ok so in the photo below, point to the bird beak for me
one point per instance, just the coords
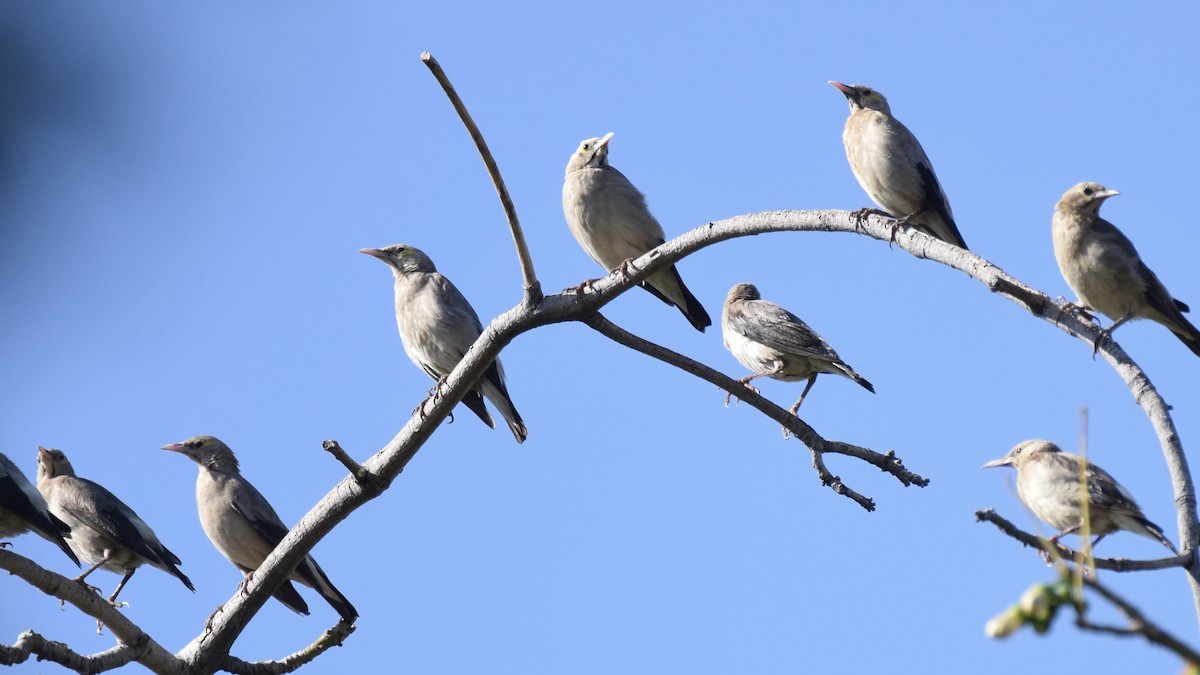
(373, 252)
(43, 455)
(1105, 194)
(604, 141)
(1003, 461)
(845, 89)
(173, 447)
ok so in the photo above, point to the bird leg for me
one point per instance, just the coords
(112, 599)
(861, 215)
(625, 266)
(812, 379)
(578, 290)
(903, 221)
(1078, 310)
(1106, 334)
(80, 579)
(745, 381)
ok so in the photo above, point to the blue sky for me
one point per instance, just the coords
(183, 190)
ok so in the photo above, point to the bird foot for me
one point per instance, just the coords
(208, 623)
(861, 215)
(624, 267)
(745, 382)
(1105, 334)
(117, 605)
(585, 285)
(81, 582)
(99, 627)
(1078, 310)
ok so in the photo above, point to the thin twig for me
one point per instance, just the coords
(1140, 625)
(334, 637)
(804, 433)
(533, 289)
(357, 470)
(1063, 552)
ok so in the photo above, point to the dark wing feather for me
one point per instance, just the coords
(935, 199)
(771, 325)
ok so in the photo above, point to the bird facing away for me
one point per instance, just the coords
(1048, 483)
(892, 166)
(104, 531)
(437, 326)
(1101, 265)
(775, 343)
(611, 221)
(23, 509)
(245, 529)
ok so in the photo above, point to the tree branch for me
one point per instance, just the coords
(330, 638)
(1065, 553)
(533, 290)
(888, 463)
(1139, 624)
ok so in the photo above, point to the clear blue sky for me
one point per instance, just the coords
(183, 189)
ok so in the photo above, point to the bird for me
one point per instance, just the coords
(437, 326)
(775, 343)
(892, 167)
(23, 509)
(104, 531)
(1103, 268)
(609, 218)
(241, 524)
(1048, 483)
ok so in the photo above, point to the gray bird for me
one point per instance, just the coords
(775, 343)
(892, 166)
(104, 531)
(437, 326)
(1104, 269)
(245, 529)
(23, 509)
(1048, 483)
(611, 221)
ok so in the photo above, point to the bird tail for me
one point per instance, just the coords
(668, 286)
(53, 531)
(474, 402)
(849, 372)
(1144, 527)
(1188, 334)
(181, 576)
(495, 391)
(168, 562)
(310, 574)
(290, 597)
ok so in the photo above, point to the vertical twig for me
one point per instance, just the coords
(533, 290)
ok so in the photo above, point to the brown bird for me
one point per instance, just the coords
(1104, 269)
(892, 166)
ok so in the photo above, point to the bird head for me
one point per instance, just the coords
(402, 258)
(861, 97)
(1086, 197)
(591, 154)
(53, 463)
(207, 451)
(743, 292)
(1022, 453)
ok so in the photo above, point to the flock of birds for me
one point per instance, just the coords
(610, 219)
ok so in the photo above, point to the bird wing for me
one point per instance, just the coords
(100, 510)
(771, 325)
(254, 507)
(1104, 491)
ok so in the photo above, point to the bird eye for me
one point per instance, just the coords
(587, 146)
(1088, 191)
(192, 444)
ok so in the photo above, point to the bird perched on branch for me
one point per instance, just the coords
(104, 531)
(892, 166)
(1048, 482)
(611, 221)
(1104, 269)
(23, 509)
(775, 343)
(437, 326)
(241, 524)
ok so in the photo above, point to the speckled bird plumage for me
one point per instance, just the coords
(242, 525)
(438, 326)
(892, 167)
(610, 219)
(1048, 482)
(773, 342)
(1103, 268)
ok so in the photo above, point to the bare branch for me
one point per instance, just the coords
(134, 644)
(360, 474)
(533, 290)
(1065, 553)
(804, 433)
(334, 637)
(1139, 624)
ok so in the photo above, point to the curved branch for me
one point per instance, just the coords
(888, 463)
(134, 644)
(1065, 553)
(533, 290)
(1139, 624)
(334, 637)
